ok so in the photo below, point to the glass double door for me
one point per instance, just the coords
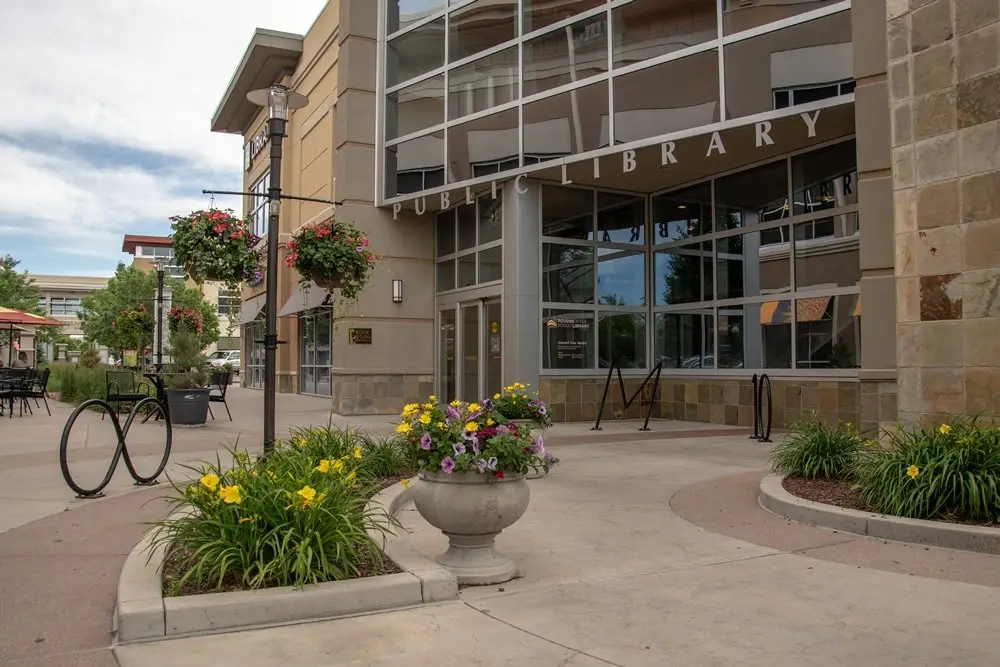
(470, 350)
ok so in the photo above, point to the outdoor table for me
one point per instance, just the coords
(156, 379)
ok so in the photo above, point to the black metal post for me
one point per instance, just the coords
(159, 319)
(276, 132)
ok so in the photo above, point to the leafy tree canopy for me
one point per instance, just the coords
(17, 290)
(129, 288)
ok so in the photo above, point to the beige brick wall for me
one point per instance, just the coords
(944, 86)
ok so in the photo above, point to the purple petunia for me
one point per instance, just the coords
(451, 413)
(488, 404)
(538, 447)
(448, 465)
(481, 464)
(503, 430)
(492, 463)
(475, 446)
(542, 410)
(425, 442)
(459, 448)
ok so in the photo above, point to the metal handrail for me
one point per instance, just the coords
(628, 402)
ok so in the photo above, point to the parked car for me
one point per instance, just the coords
(221, 358)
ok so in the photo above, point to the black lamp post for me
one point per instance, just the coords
(278, 100)
(160, 268)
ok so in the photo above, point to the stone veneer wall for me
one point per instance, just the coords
(724, 401)
(379, 394)
(944, 80)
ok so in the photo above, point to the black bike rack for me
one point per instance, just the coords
(121, 452)
(762, 429)
(628, 402)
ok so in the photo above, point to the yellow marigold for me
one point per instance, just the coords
(489, 421)
(410, 409)
(425, 418)
(455, 403)
(428, 406)
(475, 407)
(440, 424)
(357, 452)
(496, 397)
(230, 495)
(912, 471)
(472, 427)
(210, 481)
(432, 398)
(404, 428)
(324, 466)
(944, 429)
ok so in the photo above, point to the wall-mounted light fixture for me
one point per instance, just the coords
(397, 290)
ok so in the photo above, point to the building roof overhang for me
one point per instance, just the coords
(270, 55)
(132, 241)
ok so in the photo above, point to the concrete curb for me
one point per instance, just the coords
(774, 498)
(142, 614)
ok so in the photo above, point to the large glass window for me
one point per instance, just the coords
(483, 146)
(740, 15)
(470, 244)
(479, 26)
(315, 352)
(568, 123)
(483, 84)
(404, 13)
(649, 28)
(228, 302)
(65, 305)
(564, 56)
(416, 52)
(539, 14)
(257, 207)
(415, 108)
(568, 339)
(415, 165)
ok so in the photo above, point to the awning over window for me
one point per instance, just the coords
(307, 296)
(812, 309)
(251, 308)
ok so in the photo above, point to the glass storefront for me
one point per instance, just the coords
(757, 269)
(482, 87)
(253, 334)
(316, 352)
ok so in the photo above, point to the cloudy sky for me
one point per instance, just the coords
(104, 119)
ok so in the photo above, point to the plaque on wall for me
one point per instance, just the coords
(360, 336)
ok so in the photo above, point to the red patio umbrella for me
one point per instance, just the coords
(14, 318)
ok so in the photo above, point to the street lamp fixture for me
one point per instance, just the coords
(397, 290)
(160, 265)
(278, 100)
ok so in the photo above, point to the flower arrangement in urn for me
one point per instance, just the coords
(472, 481)
(515, 404)
(333, 254)
(188, 317)
(215, 245)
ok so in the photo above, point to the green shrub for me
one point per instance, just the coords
(75, 383)
(297, 517)
(952, 471)
(90, 357)
(815, 449)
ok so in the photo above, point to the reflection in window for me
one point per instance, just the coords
(749, 197)
(648, 28)
(564, 56)
(479, 26)
(790, 97)
(414, 53)
(491, 264)
(817, 55)
(490, 142)
(647, 107)
(568, 123)
(466, 270)
(490, 219)
(403, 13)
(483, 84)
(466, 226)
(621, 218)
(415, 165)
(747, 266)
(827, 332)
(621, 277)
(825, 179)
(685, 339)
(682, 214)
(567, 339)
(567, 273)
(445, 233)
(446, 275)
(740, 15)
(683, 274)
(567, 212)
(622, 339)
(415, 108)
(827, 252)
(541, 13)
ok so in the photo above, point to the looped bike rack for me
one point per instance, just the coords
(628, 402)
(150, 405)
(762, 429)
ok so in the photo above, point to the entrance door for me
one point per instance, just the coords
(469, 349)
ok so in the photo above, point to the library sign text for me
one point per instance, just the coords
(715, 146)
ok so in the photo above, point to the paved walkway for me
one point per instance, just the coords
(640, 549)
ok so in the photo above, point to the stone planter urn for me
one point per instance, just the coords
(535, 431)
(471, 510)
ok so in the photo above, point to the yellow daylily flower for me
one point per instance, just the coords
(300, 442)
(338, 465)
(405, 483)
(230, 495)
(270, 473)
(912, 471)
(472, 427)
(307, 493)
(352, 476)
(210, 481)
(357, 452)
(324, 466)
(404, 428)
(425, 418)
(944, 429)
(248, 519)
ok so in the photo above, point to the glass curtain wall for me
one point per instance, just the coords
(757, 269)
(473, 88)
(316, 352)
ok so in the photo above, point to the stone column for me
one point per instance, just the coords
(521, 268)
(944, 79)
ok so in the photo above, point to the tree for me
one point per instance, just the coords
(17, 290)
(109, 315)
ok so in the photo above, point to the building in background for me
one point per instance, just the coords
(147, 250)
(705, 186)
(60, 300)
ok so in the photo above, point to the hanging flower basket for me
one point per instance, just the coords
(334, 254)
(215, 246)
(191, 318)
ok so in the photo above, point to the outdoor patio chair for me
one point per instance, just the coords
(15, 388)
(218, 387)
(39, 389)
(122, 388)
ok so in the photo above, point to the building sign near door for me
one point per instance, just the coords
(360, 336)
(714, 146)
(253, 147)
